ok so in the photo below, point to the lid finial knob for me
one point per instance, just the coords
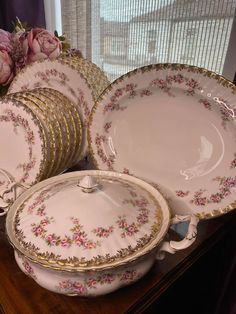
(88, 184)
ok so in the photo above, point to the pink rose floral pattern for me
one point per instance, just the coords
(18, 121)
(129, 229)
(72, 287)
(107, 126)
(100, 140)
(78, 236)
(226, 184)
(233, 162)
(45, 76)
(130, 91)
(128, 276)
(27, 267)
(226, 113)
(82, 287)
(113, 104)
(42, 197)
(205, 103)
(103, 232)
(48, 243)
(181, 193)
(191, 87)
(108, 160)
(49, 74)
(166, 84)
(84, 104)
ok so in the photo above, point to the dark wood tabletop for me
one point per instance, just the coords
(20, 294)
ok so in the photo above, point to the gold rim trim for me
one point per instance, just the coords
(76, 124)
(97, 79)
(47, 110)
(75, 265)
(164, 66)
(41, 133)
(47, 126)
(15, 86)
(68, 146)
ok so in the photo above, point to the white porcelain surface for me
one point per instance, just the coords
(174, 126)
(22, 144)
(58, 223)
(60, 76)
(91, 232)
(88, 284)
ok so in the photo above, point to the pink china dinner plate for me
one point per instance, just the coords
(173, 125)
(65, 78)
(23, 144)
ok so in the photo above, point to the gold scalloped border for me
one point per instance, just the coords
(62, 137)
(74, 265)
(73, 113)
(41, 134)
(165, 66)
(48, 127)
(65, 61)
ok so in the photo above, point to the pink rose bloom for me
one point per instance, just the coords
(40, 44)
(5, 41)
(6, 67)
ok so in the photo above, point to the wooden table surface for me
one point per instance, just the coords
(20, 294)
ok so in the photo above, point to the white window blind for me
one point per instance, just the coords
(120, 35)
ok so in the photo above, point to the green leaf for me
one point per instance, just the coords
(65, 46)
(62, 38)
(4, 89)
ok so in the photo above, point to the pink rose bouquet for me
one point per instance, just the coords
(40, 44)
(6, 67)
(5, 40)
(23, 46)
(6, 62)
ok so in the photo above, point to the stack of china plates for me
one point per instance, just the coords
(78, 79)
(95, 77)
(40, 135)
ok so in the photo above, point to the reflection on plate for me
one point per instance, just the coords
(173, 125)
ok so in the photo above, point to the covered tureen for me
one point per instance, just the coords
(90, 232)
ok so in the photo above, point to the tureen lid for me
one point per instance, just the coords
(88, 220)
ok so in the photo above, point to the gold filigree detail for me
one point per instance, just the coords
(42, 135)
(74, 126)
(50, 114)
(48, 259)
(52, 140)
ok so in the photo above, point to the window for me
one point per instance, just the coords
(140, 32)
(118, 46)
(191, 31)
(151, 46)
(152, 33)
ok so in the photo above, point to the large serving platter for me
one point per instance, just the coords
(173, 125)
(65, 77)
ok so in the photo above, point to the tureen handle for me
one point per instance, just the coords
(190, 237)
(11, 188)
